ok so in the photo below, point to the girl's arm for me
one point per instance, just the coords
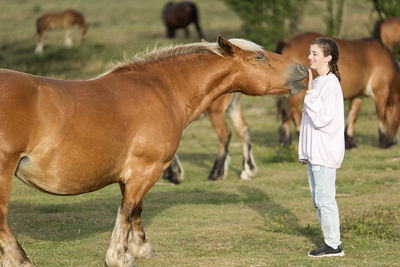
(322, 108)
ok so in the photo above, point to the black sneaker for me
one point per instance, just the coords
(326, 251)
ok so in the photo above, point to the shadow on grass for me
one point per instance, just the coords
(63, 222)
(276, 217)
(201, 160)
(267, 137)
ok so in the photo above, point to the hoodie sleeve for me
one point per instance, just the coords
(321, 104)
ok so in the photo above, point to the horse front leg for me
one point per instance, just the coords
(354, 109)
(68, 39)
(11, 253)
(40, 44)
(242, 130)
(216, 113)
(128, 239)
(199, 31)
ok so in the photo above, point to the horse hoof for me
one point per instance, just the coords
(244, 176)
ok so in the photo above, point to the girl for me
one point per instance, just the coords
(321, 143)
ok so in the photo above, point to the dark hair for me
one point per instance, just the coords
(329, 48)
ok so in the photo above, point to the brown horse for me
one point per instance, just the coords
(367, 68)
(388, 31)
(180, 15)
(226, 104)
(65, 19)
(73, 137)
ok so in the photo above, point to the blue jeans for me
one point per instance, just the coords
(323, 191)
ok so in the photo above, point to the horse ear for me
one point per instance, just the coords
(225, 45)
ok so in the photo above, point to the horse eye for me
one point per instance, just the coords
(260, 56)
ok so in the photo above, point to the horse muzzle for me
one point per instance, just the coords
(296, 73)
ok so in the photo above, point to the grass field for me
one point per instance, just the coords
(268, 221)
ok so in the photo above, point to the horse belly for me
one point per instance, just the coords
(57, 177)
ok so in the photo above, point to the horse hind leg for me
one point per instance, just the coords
(242, 130)
(283, 108)
(11, 252)
(174, 173)
(354, 108)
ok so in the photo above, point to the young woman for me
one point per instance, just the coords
(321, 143)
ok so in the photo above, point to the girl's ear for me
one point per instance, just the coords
(328, 58)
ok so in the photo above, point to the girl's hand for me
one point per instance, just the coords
(310, 80)
(302, 161)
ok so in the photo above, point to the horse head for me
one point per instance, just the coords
(260, 72)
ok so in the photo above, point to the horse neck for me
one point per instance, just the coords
(189, 83)
(202, 79)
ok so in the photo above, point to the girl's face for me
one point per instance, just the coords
(317, 59)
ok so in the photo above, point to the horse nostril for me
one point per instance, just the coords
(302, 69)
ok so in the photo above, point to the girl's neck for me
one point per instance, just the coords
(323, 71)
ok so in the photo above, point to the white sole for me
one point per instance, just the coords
(341, 254)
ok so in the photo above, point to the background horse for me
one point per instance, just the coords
(73, 137)
(180, 15)
(226, 104)
(388, 31)
(367, 68)
(65, 19)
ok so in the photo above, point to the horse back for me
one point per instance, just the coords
(66, 18)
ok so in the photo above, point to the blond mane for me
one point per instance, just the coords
(160, 53)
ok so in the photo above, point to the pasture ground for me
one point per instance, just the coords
(268, 221)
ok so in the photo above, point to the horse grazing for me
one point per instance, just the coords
(72, 137)
(180, 15)
(65, 19)
(388, 31)
(367, 68)
(226, 104)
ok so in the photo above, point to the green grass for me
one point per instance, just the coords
(269, 221)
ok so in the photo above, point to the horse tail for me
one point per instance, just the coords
(377, 30)
(280, 46)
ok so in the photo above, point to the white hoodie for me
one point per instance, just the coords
(321, 139)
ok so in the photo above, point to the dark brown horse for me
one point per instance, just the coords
(367, 68)
(180, 15)
(228, 104)
(65, 19)
(73, 137)
(388, 31)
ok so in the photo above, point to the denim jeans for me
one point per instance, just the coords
(323, 191)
